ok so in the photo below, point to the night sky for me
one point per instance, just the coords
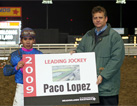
(73, 17)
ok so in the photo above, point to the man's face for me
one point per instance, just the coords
(99, 20)
(28, 42)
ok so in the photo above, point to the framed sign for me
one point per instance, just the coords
(59, 79)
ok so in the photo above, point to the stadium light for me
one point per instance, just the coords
(121, 1)
(47, 2)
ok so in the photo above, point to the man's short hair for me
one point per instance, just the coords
(99, 9)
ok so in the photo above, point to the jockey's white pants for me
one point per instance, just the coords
(19, 96)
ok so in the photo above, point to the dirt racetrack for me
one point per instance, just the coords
(128, 90)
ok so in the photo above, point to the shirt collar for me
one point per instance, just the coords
(98, 32)
(27, 50)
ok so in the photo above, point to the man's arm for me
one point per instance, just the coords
(116, 59)
(9, 70)
(81, 46)
(12, 66)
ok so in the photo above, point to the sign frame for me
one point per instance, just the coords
(42, 89)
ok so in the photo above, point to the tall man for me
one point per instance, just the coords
(109, 49)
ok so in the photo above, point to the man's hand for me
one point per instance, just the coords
(20, 65)
(99, 80)
(71, 52)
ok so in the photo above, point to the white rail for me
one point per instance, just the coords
(5, 50)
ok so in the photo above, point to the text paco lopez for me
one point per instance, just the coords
(70, 88)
